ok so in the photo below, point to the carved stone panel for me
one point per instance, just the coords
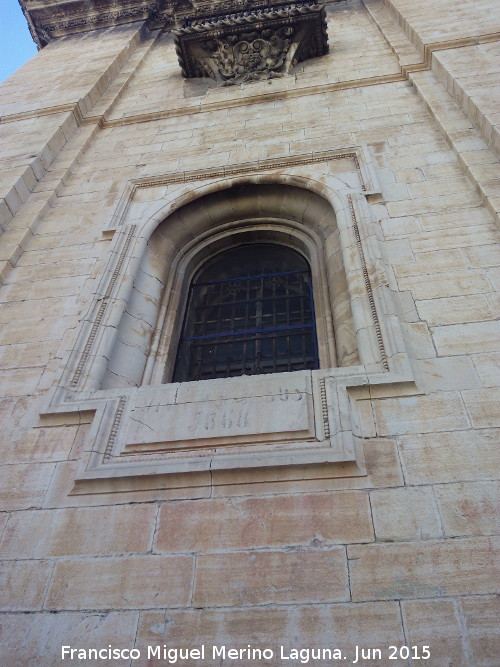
(251, 45)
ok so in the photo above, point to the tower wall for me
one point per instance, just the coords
(101, 133)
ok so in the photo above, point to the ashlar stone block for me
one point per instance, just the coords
(443, 411)
(37, 638)
(436, 624)
(449, 457)
(260, 577)
(469, 508)
(22, 584)
(341, 625)
(426, 569)
(408, 513)
(121, 583)
(481, 619)
(67, 532)
(316, 519)
(482, 406)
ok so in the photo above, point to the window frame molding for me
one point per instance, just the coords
(339, 396)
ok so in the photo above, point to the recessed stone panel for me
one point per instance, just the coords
(203, 424)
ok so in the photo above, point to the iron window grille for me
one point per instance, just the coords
(250, 311)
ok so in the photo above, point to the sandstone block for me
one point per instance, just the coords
(341, 626)
(32, 330)
(433, 261)
(59, 493)
(464, 237)
(123, 583)
(455, 310)
(481, 619)
(484, 255)
(340, 517)
(24, 485)
(449, 457)
(405, 514)
(22, 584)
(443, 411)
(446, 374)
(101, 530)
(467, 338)
(483, 406)
(420, 340)
(270, 576)
(27, 355)
(451, 283)
(469, 508)
(36, 639)
(426, 569)
(488, 368)
(383, 469)
(435, 623)
(19, 381)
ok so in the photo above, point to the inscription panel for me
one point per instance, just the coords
(195, 420)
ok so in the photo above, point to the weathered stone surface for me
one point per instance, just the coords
(26, 484)
(481, 620)
(436, 624)
(467, 338)
(469, 508)
(23, 584)
(449, 457)
(121, 583)
(446, 374)
(263, 576)
(100, 132)
(59, 493)
(482, 406)
(101, 530)
(342, 626)
(29, 639)
(455, 310)
(429, 569)
(223, 420)
(405, 514)
(334, 518)
(488, 368)
(443, 411)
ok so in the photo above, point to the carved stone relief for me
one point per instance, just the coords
(251, 45)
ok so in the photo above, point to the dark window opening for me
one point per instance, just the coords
(250, 311)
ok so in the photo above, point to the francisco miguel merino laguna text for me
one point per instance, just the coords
(174, 655)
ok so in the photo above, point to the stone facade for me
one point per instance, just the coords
(350, 506)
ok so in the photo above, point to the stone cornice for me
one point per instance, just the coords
(50, 19)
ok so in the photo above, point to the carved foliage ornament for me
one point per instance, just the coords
(251, 45)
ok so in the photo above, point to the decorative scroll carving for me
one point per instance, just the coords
(252, 58)
(251, 45)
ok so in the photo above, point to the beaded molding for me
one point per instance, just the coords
(368, 287)
(324, 408)
(114, 428)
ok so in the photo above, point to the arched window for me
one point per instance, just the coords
(250, 311)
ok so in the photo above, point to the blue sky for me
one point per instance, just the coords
(16, 44)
